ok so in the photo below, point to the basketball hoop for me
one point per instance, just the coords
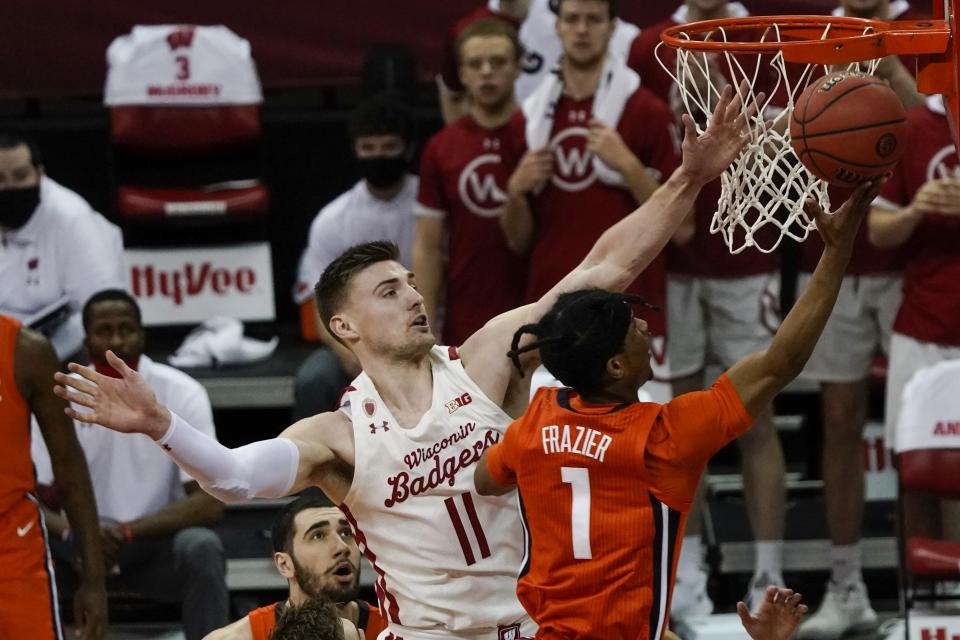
(763, 191)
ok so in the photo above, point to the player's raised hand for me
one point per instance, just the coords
(940, 196)
(841, 227)
(778, 615)
(532, 172)
(705, 156)
(124, 404)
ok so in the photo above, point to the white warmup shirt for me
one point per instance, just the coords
(66, 252)
(446, 558)
(353, 218)
(543, 48)
(132, 477)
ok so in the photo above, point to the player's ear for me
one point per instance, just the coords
(342, 328)
(284, 564)
(615, 367)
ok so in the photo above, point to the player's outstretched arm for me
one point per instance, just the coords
(267, 469)
(778, 616)
(760, 376)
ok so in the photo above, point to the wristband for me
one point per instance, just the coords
(127, 532)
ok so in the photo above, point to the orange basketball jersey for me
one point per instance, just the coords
(604, 492)
(16, 473)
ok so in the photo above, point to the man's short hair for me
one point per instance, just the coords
(331, 289)
(9, 140)
(110, 295)
(383, 115)
(611, 5)
(284, 527)
(490, 28)
(315, 619)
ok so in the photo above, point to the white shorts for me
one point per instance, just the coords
(858, 328)
(907, 356)
(719, 320)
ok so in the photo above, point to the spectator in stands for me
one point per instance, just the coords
(154, 518)
(454, 95)
(378, 207)
(919, 212)
(28, 594)
(315, 550)
(859, 329)
(55, 251)
(313, 620)
(460, 256)
(721, 308)
(594, 145)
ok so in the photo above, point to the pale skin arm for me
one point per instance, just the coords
(428, 262)
(761, 376)
(778, 617)
(239, 630)
(128, 405)
(528, 178)
(900, 80)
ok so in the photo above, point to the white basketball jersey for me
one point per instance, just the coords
(446, 559)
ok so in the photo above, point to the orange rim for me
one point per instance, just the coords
(801, 38)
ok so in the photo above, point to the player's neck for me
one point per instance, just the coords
(581, 82)
(610, 396)
(494, 117)
(405, 385)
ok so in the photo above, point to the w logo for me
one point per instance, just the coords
(478, 187)
(574, 163)
(943, 164)
(180, 38)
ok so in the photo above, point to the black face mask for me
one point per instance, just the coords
(382, 172)
(18, 205)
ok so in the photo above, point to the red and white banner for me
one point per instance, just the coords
(189, 285)
(924, 626)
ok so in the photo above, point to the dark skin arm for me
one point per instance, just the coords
(34, 365)
(484, 483)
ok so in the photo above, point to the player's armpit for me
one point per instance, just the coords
(322, 440)
(485, 482)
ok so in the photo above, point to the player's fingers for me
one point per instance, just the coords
(73, 382)
(812, 207)
(793, 601)
(87, 417)
(744, 613)
(719, 113)
(87, 372)
(801, 611)
(119, 365)
(82, 399)
(689, 127)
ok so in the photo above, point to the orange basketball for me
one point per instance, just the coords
(847, 128)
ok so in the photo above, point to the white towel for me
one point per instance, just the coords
(220, 341)
(617, 83)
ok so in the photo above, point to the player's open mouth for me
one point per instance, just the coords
(420, 321)
(344, 571)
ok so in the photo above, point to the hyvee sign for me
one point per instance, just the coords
(187, 286)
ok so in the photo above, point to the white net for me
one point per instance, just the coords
(763, 191)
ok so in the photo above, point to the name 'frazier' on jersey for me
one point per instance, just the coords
(587, 442)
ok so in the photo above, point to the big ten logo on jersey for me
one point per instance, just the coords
(458, 402)
(573, 167)
(477, 184)
(944, 164)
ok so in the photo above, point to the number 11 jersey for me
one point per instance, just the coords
(604, 493)
(446, 558)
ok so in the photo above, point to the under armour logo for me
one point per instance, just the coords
(491, 143)
(374, 428)
(166, 447)
(577, 116)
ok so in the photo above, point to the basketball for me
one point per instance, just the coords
(847, 128)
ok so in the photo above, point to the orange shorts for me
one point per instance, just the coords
(28, 592)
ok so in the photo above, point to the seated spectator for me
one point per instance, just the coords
(378, 207)
(313, 620)
(461, 259)
(55, 250)
(315, 550)
(153, 517)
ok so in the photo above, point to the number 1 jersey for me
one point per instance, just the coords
(604, 493)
